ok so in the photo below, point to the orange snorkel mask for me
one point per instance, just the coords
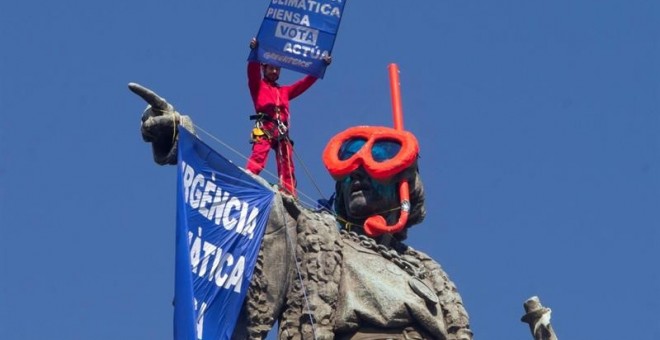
(382, 152)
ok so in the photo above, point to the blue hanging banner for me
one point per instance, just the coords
(296, 34)
(221, 218)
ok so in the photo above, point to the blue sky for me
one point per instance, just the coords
(538, 121)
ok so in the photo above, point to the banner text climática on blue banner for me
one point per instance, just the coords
(221, 218)
(297, 34)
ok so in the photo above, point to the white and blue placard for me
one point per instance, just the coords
(297, 34)
(222, 214)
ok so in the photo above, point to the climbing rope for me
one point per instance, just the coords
(304, 199)
(309, 175)
(298, 271)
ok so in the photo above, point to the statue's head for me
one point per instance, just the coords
(369, 164)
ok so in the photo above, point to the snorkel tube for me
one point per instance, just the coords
(376, 225)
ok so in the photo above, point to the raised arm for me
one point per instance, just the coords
(254, 77)
(301, 86)
(253, 72)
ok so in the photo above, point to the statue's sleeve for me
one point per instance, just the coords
(272, 276)
(454, 313)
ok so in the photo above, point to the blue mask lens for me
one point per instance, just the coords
(350, 147)
(384, 150)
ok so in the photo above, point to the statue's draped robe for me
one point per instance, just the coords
(347, 286)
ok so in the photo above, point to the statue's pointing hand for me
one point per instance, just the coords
(159, 124)
(156, 101)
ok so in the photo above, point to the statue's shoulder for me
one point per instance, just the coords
(436, 274)
(319, 221)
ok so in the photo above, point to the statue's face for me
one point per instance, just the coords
(363, 197)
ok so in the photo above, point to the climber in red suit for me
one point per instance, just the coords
(271, 103)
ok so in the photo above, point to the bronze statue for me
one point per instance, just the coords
(322, 277)
(320, 274)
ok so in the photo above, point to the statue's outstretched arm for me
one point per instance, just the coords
(275, 268)
(273, 274)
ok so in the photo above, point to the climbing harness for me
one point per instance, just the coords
(259, 130)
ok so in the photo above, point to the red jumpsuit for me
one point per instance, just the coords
(268, 97)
